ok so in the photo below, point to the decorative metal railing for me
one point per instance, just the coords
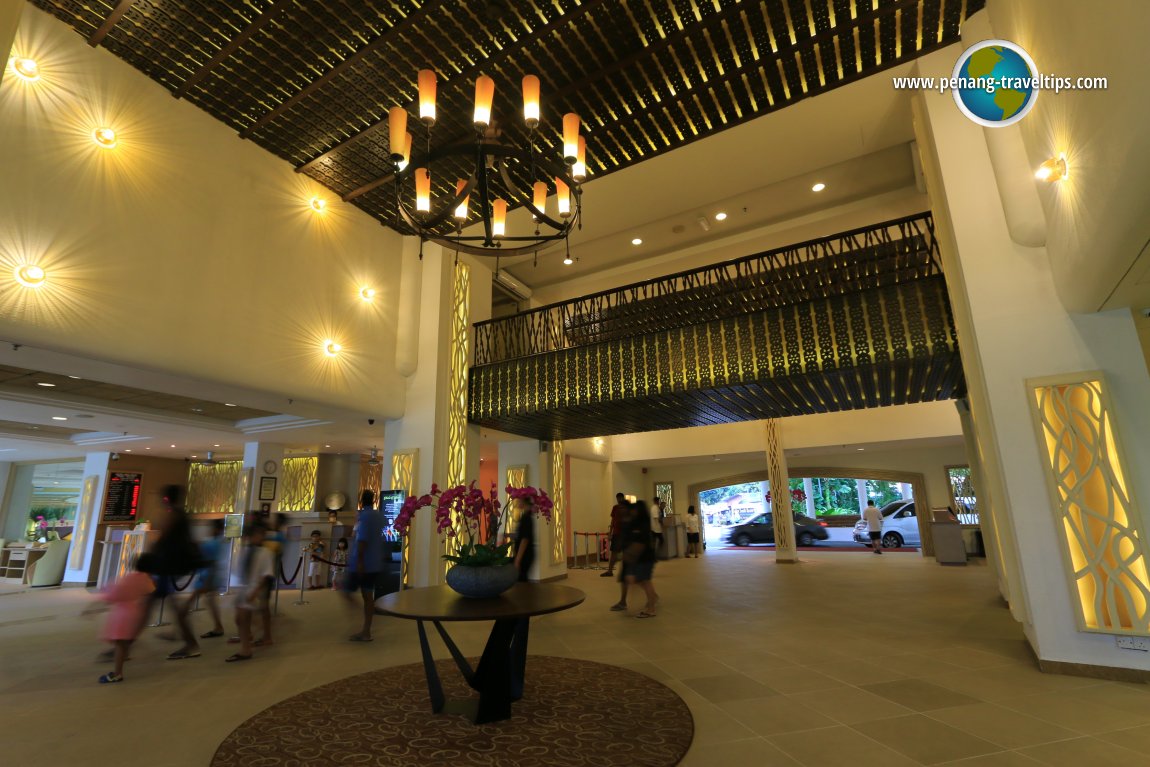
(876, 256)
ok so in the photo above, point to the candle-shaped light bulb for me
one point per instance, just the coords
(498, 217)
(423, 190)
(579, 169)
(427, 97)
(563, 197)
(461, 208)
(531, 101)
(539, 197)
(396, 131)
(570, 138)
(484, 95)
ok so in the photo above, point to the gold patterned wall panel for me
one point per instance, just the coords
(84, 513)
(559, 498)
(212, 487)
(1100, 527)
(370, 475)
(404, 470)
(782, 516)
(297, 491)
(665, 492)
(457, 381)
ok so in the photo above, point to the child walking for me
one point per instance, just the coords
(255, 569)
(129, 599)
(338, 564)
(316, 549)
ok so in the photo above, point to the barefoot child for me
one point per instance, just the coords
(316, 551)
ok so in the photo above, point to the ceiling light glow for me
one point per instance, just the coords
(331, 348)
(30, 275)
(59, 418)
(318, 204)
(637, 241)
(366, 293)
(26, 69)
(46, 385)
(820, 186)
(568, 261)
(1054, 169)
(720, 216)
(105, 138)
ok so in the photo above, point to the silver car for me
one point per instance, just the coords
(899, 526)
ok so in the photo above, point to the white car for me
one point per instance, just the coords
(899, 526)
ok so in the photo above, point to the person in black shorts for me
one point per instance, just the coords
(365, 562)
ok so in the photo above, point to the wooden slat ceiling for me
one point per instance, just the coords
(311, 82)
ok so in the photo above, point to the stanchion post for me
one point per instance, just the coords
(160, 615)
(302, 582)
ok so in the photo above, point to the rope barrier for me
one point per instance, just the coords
(187, 583)
(286, 580)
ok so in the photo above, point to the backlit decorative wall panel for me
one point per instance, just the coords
(1101, 532)
(370, 475)
(403, 473)
(212, 487)
(665, 492)
(559, 498)
(457, 382)
(781, 514)
(297, 490)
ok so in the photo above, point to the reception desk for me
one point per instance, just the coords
(674, 537)
(16, 560)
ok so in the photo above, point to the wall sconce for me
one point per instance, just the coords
(1054, 169)
(30, 275)
(367, 294)
(105, 138)
(26, 69)
(331, 348)
(318, 204)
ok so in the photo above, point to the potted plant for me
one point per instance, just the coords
(476, 528)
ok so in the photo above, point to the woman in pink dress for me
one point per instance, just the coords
(129, 601)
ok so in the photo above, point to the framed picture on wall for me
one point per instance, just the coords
(267, 488)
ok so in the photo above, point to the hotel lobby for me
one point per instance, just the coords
(279, 253)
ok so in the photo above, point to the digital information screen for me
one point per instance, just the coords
(122, 500)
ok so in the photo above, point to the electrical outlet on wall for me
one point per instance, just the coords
(1133, 643)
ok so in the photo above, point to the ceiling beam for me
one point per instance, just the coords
(113, 18)
(264, 19)
(388, 36)
(463, 75)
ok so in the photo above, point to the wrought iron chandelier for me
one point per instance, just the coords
(492, 172)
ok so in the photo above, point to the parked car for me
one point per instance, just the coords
(899, 526)
(761, 529)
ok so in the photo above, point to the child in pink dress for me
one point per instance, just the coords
(129, 601)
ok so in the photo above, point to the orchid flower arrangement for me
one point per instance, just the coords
(797, 496)
(464, 513)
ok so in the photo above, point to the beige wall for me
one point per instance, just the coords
(184, 250)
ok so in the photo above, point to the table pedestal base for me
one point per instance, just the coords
(499, 676)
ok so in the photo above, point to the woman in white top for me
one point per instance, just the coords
(256, 566)
(692, 525)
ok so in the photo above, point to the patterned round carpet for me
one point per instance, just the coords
(573, 712)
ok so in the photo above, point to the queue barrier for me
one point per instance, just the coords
(588, 552)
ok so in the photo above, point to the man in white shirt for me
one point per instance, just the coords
(873, 519)
(657, 507)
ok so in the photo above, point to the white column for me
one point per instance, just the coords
(93, 489)
(265, 460)
(809, 491)
(784, 520)
(861, 492)
(1013, 327)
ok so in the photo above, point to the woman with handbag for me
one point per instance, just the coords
(638, 557)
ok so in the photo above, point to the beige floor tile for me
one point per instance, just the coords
(690, 666)
(997, 759)
(850, 705)
(775, 715)
(1006, 727)
(793, 680)
(713, 725)
(926, 740)
(858, 671)
(755, 752)
(724, 687)
(918, 694)
(1135, 738)
(1084, 752)
(838, 746)
(1086, 717)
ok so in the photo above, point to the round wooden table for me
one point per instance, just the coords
(499, 676)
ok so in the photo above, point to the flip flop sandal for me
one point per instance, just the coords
(236, 658)
(111, 677)
(211, 634)
(618, 608)
(359, 638)
(645, 614)
(184, 654)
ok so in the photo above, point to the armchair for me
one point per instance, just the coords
(48, 570)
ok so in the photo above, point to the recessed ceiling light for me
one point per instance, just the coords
(818, 187)
(30, 275)
(173, 445)
(215, 445)
(76, 378)
(128, 450)
(331, 348)
(26, 69)
(720, 216)
(327, 445)
(147, 448)
(195, 456)
(59, 418)
(197, 410)
(567, 261)
(105, 138)
(366, 293)
(637, 241)
(860, 448)
(46, 385)
(228, 404)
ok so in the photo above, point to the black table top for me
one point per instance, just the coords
(440, 603)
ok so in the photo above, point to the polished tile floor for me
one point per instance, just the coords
(845, 659)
